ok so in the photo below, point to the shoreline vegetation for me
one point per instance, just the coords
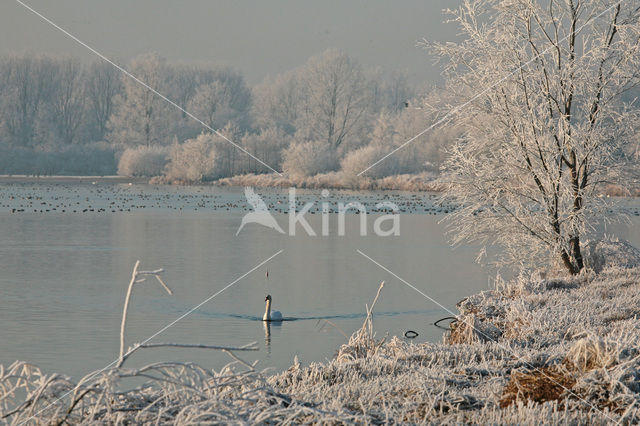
(333, 180)
(537, 349)
(422, 182)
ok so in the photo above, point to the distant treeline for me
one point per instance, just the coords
(61, 116)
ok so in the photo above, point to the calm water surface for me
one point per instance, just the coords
(64, 274)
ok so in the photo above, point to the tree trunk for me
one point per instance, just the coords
(573, 261)
(577, 253)
(566, 260)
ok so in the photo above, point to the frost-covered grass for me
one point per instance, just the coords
(337, 180)
(541, 350)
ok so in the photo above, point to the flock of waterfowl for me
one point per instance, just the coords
(88, 197)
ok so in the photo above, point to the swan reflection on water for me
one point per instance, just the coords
(267, 335)
(267, 332)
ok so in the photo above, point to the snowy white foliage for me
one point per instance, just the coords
(277, 101)
(66, 112)
(358, 160)
(221, 101)
(25, 93)
(143, 161)
(390, 131)
(140, 116)
(339, 180)
(541, 84)
(192, 161)
(51, 105)
(309, 159)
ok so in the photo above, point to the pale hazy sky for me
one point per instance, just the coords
(257, 37)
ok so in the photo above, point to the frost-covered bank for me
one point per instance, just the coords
(335, 180)
(566, 350)
(540, 351)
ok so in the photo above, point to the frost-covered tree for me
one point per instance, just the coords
(222, 97)
(427, 151)
(140, 116)
(277, 102)
(336, 102)
(540, 83)
(212, 104)
(391, 131)
(183, 80)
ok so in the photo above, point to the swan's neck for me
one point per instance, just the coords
(267, 311)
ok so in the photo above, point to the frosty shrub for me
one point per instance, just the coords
(193, 161)
(309, 159)
(424, 153)
(427, 151)
(143, 161)
(361, 158)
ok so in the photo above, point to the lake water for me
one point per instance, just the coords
(65, 270)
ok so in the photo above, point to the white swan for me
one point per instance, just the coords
(268, 315)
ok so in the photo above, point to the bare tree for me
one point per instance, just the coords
(67, 101)
(102, 85)
(540, 81)
(336, 103)
(183, 82)
(397, 91)
(388, 93)
(268, 145)
(27, 86)
(212, 104)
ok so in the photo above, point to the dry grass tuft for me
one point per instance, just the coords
(362, 343)
(591, 353)
(540, 385)
(471, 330)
